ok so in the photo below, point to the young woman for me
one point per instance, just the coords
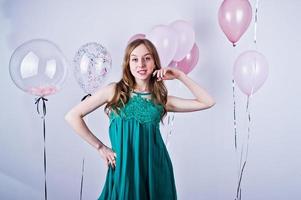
(139, 164)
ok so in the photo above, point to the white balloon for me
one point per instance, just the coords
(165, 40)
(186, 38)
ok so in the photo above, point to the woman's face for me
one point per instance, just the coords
(141, 63)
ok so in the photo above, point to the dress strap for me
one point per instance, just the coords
(141, 93)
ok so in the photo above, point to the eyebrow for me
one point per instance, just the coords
(143, 55)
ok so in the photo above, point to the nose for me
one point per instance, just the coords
(141, 62)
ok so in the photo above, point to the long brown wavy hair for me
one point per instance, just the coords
(128, 83)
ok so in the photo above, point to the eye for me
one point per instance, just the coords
(148, 58)
(134, 59)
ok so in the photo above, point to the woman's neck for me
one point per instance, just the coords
(141, 86)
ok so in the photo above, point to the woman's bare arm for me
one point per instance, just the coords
(75, 116)
(176, 104)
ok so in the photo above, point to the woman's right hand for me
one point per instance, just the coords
(108, 155)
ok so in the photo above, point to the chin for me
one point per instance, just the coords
(145, 77)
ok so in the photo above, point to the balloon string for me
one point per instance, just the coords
(255, 25)
(170, 122)
(234, 114)
(238, 190)
(238, 158)
(244, 156)
(235, 123)
(44, 137)
(45, 185)
(83, 163)
(82, 180)
(44, 105)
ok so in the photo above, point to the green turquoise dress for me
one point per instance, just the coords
(143, 167)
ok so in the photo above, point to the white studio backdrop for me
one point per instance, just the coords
(202, 143)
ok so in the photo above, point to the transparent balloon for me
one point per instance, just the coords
(38, 67)
(92, 63)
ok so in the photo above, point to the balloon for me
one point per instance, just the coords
(92, 62)
(186, 38)
(38, 67)
(188, 62)
(250, 71)
(165, 40)
(136, 36)
(234, 17)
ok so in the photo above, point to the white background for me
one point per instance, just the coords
(202, 143)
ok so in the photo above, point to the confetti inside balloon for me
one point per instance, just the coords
(92, 62)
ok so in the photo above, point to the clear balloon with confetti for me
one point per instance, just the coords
(92, 63)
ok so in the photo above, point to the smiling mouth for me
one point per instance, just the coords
(142, 72)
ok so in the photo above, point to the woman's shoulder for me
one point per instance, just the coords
(106, 91)
(111, 88)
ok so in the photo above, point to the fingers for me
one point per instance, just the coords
(154, 73)
(109, 156)
(111, 163)
(111, 160)
(112, 157)
(160, 74)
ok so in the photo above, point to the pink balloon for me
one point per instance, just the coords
(136, 36)
(188, 62)
(234, 17)
(250, 71)
(186, 38)
(165, 40)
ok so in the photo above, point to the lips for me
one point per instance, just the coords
(142, 72)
